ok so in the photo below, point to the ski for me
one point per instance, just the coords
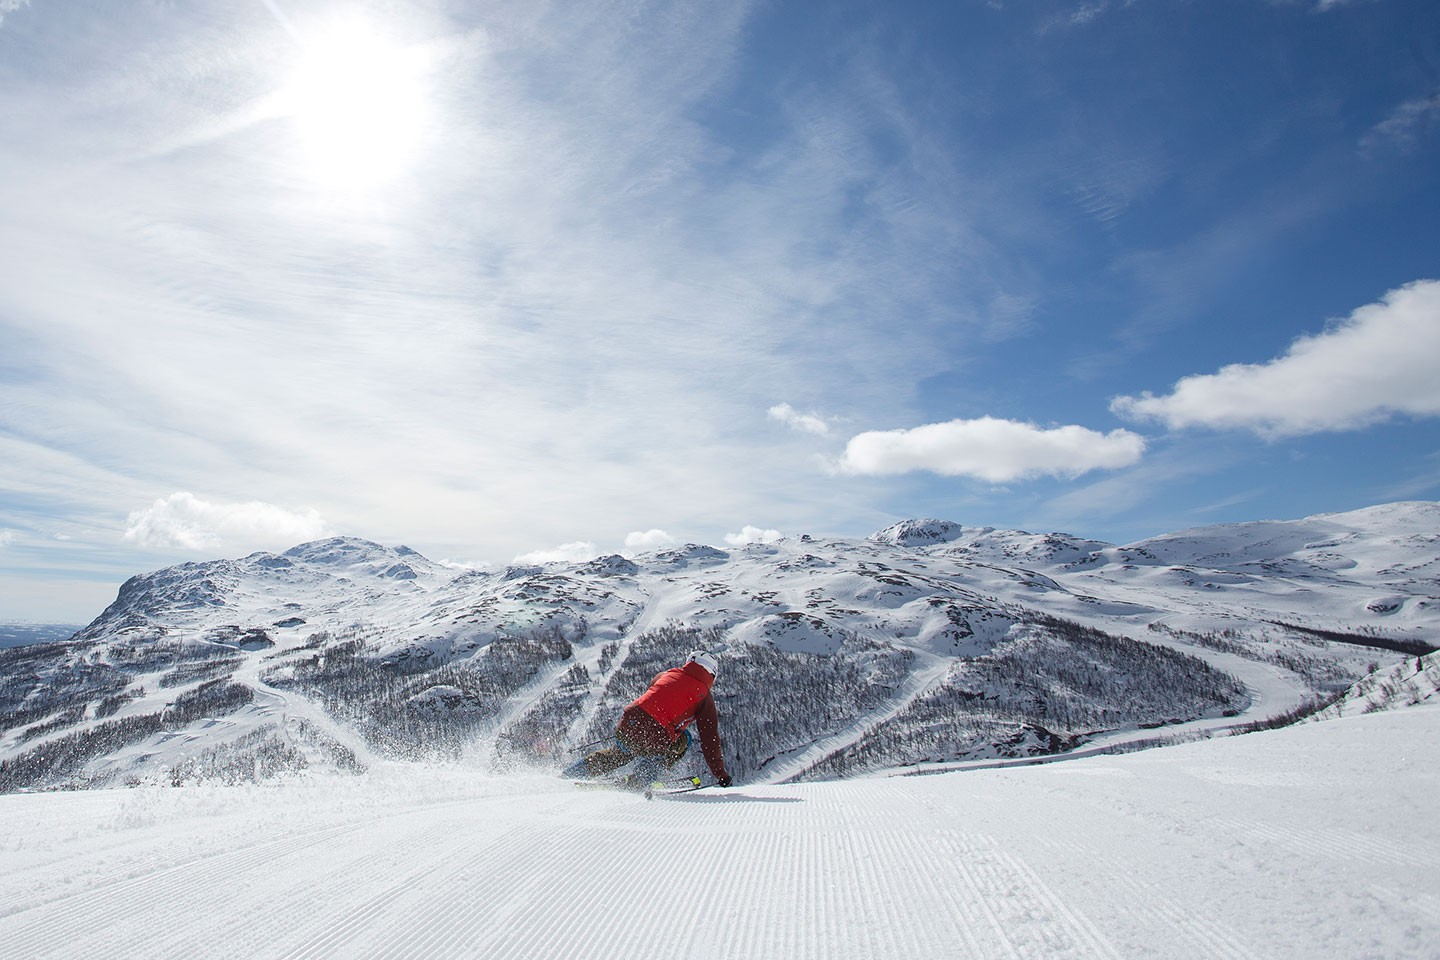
(672, 787)
(650, 790)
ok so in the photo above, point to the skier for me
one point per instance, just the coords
(652, 727)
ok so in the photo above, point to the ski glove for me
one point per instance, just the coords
(723, 780)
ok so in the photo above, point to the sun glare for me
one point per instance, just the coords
(360, 105)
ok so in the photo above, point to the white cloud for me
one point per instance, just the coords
(990, 449)
(1403, 126)
(648, 540)
(10, 6)
(1088, 13)
(1383, 360)
(577, 552)
(461, 566)
(7, 537)
(184, 521)
(795, 420)
(749, 534)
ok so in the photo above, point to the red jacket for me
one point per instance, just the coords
(678, 696)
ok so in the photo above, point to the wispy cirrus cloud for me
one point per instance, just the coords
(571, 211)
(1404, 126)
(1134, 492)
(1378, 363)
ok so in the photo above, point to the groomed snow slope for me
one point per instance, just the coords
(1317, 840)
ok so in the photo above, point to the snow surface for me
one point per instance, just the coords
(1315, 841)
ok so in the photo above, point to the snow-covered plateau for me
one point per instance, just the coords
(350, 750)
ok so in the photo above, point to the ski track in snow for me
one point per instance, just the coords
(1235, 849)
(102, 920)
(1023, 917)
(788, 884)
(422, 924)
(1144, 902)
(282, 869)
(916, 682)
(522, 700)
(589, 657)
(292, 710)
(1330, 844)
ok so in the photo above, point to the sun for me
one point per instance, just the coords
(359, 102)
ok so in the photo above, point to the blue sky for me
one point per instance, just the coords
(521, 279)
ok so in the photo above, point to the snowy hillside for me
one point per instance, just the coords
(1409, 683)
(928, 644)
(1314, 841)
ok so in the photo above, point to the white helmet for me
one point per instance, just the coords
(705, 660)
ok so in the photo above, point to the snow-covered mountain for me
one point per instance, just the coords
(928, 643)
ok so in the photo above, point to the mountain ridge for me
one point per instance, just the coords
(929, 641)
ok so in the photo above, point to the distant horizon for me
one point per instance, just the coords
(532, 281)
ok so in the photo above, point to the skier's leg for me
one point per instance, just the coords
(648, 769)
(677, 749)
(607, 761)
